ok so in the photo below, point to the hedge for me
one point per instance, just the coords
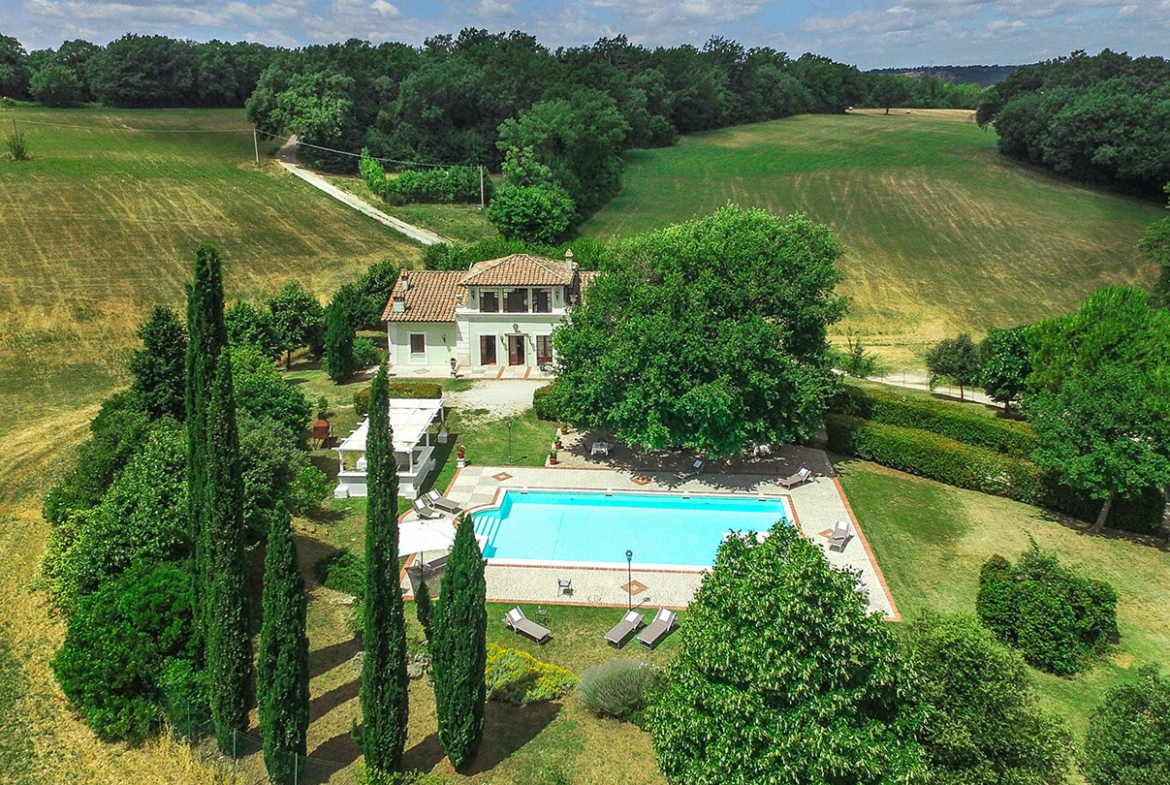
(456, 184)
(953, 420)
(936, 457)
(361, 398)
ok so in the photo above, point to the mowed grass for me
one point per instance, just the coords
(98, 227)
(943, 234)
(460, 223)
(931, 539)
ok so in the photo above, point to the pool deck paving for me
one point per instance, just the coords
(818, 505)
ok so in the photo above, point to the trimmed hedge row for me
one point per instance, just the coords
(456, 184)
(936, 457)
(361, 398)
(953, 420)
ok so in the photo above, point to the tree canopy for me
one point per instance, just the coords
(706, 335)
(1004, 363)
(1128, 742)
(954, 360)
(781, 669)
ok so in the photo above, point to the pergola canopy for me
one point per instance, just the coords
(410, 419)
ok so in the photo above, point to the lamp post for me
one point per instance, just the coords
(509, 442)
(629, 580)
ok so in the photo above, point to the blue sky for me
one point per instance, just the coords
(869, 33)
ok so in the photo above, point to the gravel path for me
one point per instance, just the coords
(286, 157)
(501, 397)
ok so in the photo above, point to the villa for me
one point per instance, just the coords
(501, 312)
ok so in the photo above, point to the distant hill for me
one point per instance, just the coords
(982, 75)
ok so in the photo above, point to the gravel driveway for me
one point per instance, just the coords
(501, 397)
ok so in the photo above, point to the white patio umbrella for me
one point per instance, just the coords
(422, 536)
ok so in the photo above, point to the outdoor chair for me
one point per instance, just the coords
(516, 621)
(802, 476)
(599, 447)
(564, 586)
(423, 511)
(441, 502)
(621, 632)
(842, 533)
(664, 623)
(695, 470)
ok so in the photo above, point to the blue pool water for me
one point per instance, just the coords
(575, 526)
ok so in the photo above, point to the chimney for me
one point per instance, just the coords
(405, 280)
(398, 304)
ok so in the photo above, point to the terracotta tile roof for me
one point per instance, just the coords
(431, 297)
(520, 269)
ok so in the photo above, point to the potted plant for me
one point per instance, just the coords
(564, 428)
(552, 458)
(558, 444)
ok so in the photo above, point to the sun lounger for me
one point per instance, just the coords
(664, 622)
(694, 471)
(423, 511)
(621, 632)
(518, 622)
(841, 535)
(441, 502)
(802, 476)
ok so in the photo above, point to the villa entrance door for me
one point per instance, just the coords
(487, 350)
(515, 350)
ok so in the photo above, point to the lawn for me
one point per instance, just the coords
(942, 233)
(930, 540)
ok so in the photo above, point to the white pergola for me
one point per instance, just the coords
(411, 420)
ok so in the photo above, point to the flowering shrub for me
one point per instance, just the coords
(517, 677)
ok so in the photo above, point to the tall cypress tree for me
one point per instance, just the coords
(224, 600)
(339, 334)
(384, 684)
(206, 337)
(459, 649)
(283, 667)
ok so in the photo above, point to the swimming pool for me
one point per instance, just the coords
(595, 528)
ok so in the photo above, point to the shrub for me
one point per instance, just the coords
(953, 420)
(249, 325)
(119, 647)
(415, 390)
(55, 85)
(544, 402)
(361, 402)
(1128, 742)
(259, 390)
(342, 571)
(617, 688)
(365, 353)
(517, 677)
(532, 214)
(309, 488)
(1055, 616)
(443, 185)
(938, 458)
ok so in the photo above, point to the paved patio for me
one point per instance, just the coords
(468, 372)
(817, 506)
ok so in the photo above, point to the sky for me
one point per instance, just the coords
(867, 33)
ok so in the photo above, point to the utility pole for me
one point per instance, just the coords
(256, 146)
(480, 181)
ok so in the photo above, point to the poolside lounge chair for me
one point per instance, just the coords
(564, 586)
(518, 622)
(423, 511)
(695, 470)
(621, 632)
(842, 533)
(441, 502)
(803, 475)
(664, 623)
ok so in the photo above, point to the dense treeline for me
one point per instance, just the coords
(981, 75)
(134, 71)
(1100, 118)
(923, 92)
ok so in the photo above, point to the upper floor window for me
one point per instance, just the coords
(489, 302)
(516, 301)
(543, 298)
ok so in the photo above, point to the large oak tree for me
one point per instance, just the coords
(706, 335)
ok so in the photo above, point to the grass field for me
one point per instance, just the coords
(98, 227)
(942, 233)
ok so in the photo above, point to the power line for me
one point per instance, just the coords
(139, 130)
(359, 155)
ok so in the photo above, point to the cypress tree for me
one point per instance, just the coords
(225, 613)
(459, 649)
(384, 684)
(422, 608)
(283, 667)
(339, 335)
(206, 337)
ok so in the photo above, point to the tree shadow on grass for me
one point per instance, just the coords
(341, 749)
(329, 657)
(327, 702)
(507, 728)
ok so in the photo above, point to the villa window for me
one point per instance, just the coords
(543, 301)
(516, 301)
(418, 347)
(489, 302)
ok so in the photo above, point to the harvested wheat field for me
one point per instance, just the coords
(942, 233)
